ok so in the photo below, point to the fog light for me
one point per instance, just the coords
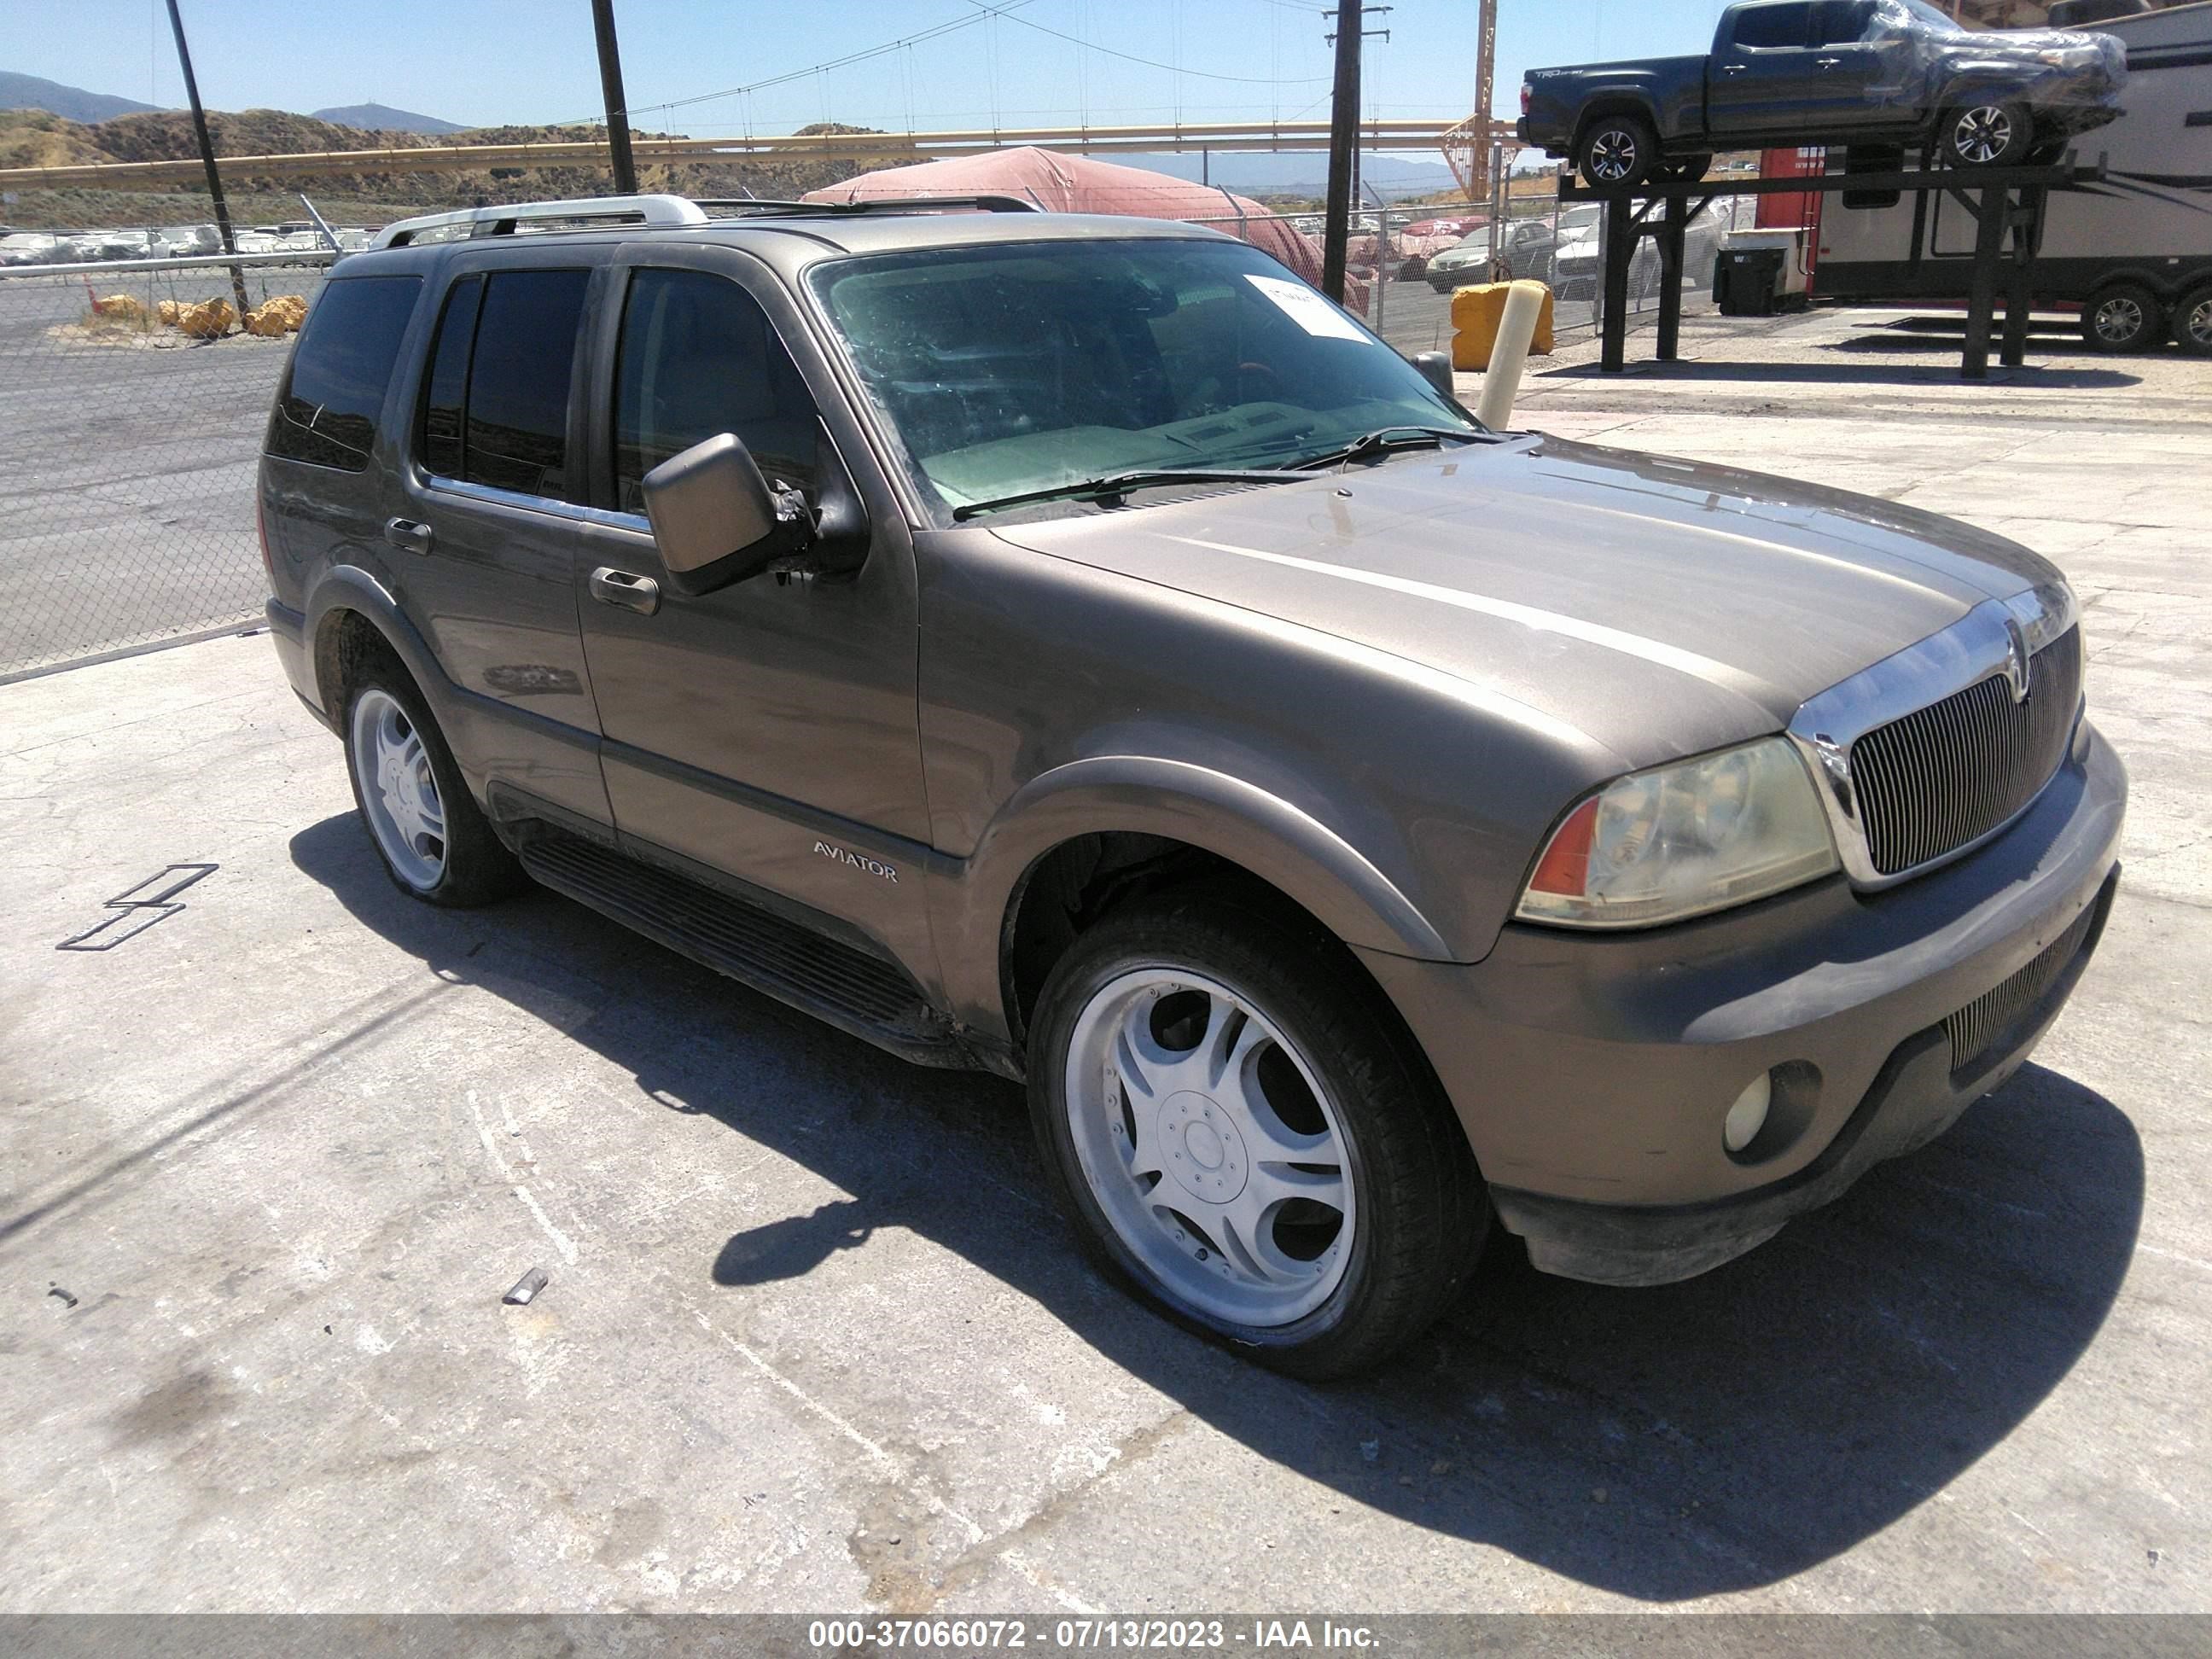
(1748, 1115)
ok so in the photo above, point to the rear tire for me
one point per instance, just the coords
(1992, 135)
(433, 839)
(1616, 152)
(1321, 1205)
(2122, 318)
(2192, 321)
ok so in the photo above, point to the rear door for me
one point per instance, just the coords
(1759, 81)
(494, 508)
(767, 731)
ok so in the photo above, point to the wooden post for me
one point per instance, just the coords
(1995, 204)
(1669, 238)
(1619, 249)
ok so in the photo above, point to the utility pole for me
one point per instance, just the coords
(1486, 73)
(1343, 148)
(611, 84)
(207, 158)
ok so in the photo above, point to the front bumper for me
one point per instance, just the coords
(1592, 1072)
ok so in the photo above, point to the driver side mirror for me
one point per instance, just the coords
(714, 519)
(1435, 369)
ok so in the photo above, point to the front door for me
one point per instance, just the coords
(768, 731)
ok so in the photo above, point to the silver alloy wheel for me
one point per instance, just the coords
(398, 790)
(1613, 155)
(1209, 1143)
(1982, 135)
(2119, 319)
(2197, 322)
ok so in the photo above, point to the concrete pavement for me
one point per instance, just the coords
(814, 1341)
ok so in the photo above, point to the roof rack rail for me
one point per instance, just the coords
(656, 211)
(879, 204)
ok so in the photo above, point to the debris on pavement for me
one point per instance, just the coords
(526, 1287)
(52, 1289)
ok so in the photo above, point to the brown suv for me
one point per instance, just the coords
(1073, 648)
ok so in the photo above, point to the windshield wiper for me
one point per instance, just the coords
(1121, 483)
(1385, 438)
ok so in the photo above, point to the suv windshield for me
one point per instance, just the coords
(1010, 369)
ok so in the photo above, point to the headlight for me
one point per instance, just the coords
(1679, 841)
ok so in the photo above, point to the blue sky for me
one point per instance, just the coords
(484, 61)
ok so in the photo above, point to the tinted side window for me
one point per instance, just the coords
(515, 428)
(328, 411)
(1841, 23)
(699, 357)
(1771, 26)
(445, 389)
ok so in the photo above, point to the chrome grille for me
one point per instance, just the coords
(1949, 773)
(1978, 1027)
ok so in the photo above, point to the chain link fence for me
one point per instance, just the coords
(132, 399)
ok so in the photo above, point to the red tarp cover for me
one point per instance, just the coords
(1077, 184)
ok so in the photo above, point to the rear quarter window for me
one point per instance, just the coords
(333, 393)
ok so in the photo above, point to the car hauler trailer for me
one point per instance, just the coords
(2136, 251)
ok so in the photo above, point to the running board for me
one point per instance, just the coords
(850, 988)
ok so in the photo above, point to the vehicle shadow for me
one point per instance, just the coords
(1660, 1443)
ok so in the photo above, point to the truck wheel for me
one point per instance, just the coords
(2192, 322)
(434, 840)
(1997, 135)
(1239, 1130)
(2124, 318)
(1617, 151)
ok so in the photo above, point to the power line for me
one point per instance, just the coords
(1154, 62)
(951, 27)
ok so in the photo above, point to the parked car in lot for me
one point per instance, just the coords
(1072, 647)
(1578, 264)
(1827, 72)
(1529, 245)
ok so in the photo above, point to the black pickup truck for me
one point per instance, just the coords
(1827, 72)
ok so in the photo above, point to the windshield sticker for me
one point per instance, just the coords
(1308, 309)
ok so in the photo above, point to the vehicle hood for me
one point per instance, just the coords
(1660, 607)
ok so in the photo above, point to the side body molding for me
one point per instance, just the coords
(1150, 795)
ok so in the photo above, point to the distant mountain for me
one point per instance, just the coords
(382, 118)
(1294, 172)
(71, 103)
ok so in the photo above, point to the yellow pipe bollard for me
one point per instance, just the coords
(1525, 304)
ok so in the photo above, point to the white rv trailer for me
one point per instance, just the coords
(2136, 251)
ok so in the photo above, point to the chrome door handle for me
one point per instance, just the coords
(1733, 69)
(1826, 63)
(632, 593)
(408, 535)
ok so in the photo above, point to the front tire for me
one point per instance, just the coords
(1238, 1129)
(1616, 152)
(433, 839)
(2122, 318)
(1992, 135)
